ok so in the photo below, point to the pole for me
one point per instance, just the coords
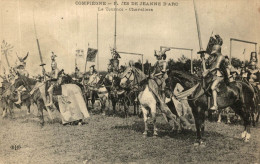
(199, 37)
(198, 26)
(142, 62)
(230, 50)
(115, 26)
(39, 49)
(191, 62)
(97, 46)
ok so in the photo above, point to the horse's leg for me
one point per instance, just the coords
(4, 112)
(135, 110)
(28, 105)
(40, 107)
(11, 109)
(245, 116)
(93, 100)
(145, 113)
(153, 113)
(198, 122)
(219, 118)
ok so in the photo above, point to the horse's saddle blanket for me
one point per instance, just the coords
(185, 94)
(71, 103)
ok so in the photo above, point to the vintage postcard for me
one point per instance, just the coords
(129, 81)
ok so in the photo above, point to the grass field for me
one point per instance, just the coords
(118, 140)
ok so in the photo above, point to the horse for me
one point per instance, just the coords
(124, 97)
(98, 91)
(112, 85)
(32, 94)
(148, 102)
(9, 97)
(237, 95)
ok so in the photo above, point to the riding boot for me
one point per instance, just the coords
(215, 105)
(19, 98)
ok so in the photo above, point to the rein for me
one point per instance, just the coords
(195, 98)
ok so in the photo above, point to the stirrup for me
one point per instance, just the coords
(214, 107)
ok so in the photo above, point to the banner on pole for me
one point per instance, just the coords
(91, 54)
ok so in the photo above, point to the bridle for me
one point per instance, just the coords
(128, 76)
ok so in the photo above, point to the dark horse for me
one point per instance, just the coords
(9, 96)
(237, 95)
(35, 89)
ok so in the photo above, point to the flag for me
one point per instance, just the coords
(91, 55)
(79, 53)
(115, 55)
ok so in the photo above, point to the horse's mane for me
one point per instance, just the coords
(181, 76)
(141, 74)
(28, 80)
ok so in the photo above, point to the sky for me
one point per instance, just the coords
(62, 27)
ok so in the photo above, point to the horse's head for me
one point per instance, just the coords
(132, 76)
(185, 79)
(127, 77)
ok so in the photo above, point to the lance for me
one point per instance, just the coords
(39, 49)
(201, 52)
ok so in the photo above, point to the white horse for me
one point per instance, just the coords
(147, 98)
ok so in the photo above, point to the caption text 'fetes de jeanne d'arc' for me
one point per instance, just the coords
(127, 6)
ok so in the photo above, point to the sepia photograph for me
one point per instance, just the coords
(129, 81)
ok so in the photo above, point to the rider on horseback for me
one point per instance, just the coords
(20, 70)
(53, 78)
(217, 60)
(159, 75)
(253, 70)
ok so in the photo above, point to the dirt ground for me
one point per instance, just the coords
(107, 139)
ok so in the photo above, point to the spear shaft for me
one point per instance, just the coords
(201, 52)
(39, 49)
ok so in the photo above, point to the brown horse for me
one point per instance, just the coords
(9, 96)
(237, 95)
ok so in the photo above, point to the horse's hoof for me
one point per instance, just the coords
(219, 122)
(202, 144)
(155, 134)
(243, 135)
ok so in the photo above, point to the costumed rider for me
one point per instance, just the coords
(53, 75)
(253, 70)
(217, 68)
(159, 74)
(231, 71)
(157, 85)
(243, 72)
(20, 70)
(92, 82)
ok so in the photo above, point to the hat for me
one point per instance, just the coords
(92, 66)
(161, 53)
